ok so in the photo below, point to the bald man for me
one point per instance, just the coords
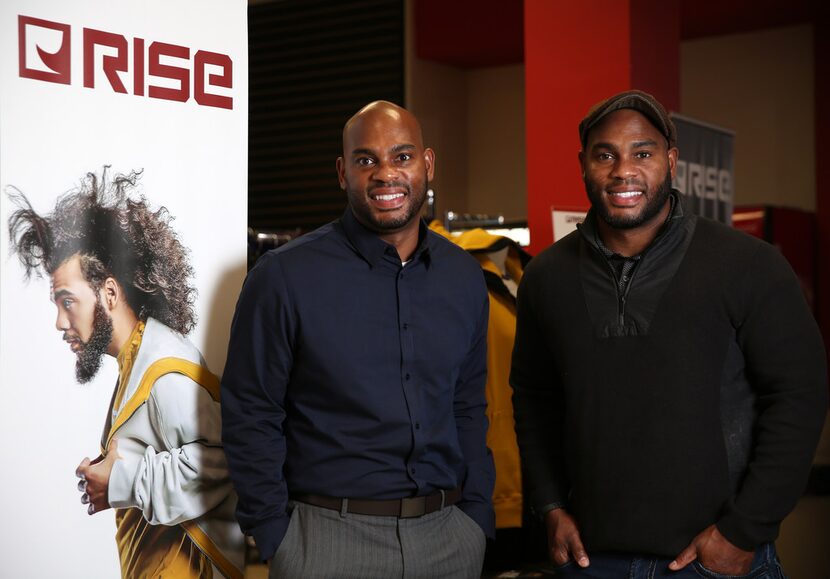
(353, 396)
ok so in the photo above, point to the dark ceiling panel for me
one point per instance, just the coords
(702, 18)
(470, 33)
(478, 33)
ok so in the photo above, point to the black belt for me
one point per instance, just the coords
(404, 508)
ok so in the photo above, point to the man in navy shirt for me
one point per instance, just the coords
(353, 396)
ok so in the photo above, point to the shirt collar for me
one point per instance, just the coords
(127, 354)
(373, 249)
(126, 358)
(589, 227)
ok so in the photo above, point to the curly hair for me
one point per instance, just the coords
(116, 236)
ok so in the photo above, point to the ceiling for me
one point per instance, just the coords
(478, 33)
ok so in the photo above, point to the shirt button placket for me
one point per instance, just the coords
(411, 394)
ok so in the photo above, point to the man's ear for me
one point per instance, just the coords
(429, 162)
(341, 172)
(112, 293)
(673, 154)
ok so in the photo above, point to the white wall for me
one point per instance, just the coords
(474, 119)
(760, 85)
(497, 176)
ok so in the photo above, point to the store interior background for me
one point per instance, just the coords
(479, 74)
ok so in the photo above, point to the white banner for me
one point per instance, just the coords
(141, 85)
(565, 221)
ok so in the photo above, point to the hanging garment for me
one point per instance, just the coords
(503, 261)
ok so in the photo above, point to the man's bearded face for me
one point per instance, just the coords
(91, 353)
(628, 168)
(85, 323)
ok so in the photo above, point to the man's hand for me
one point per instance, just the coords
(95, 479)
(715, 553)
(564, 542)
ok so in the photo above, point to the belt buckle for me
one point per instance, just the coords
(413, 507)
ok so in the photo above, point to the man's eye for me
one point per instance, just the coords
(67, 303)
(405, 157)
(605, 156)
(365, 161)
(642, 154)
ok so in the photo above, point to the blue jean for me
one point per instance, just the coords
(765, 565)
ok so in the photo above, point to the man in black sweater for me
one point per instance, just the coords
(670, 381)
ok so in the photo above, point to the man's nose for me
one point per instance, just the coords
(385, 171)
(62, 321)
(624, 168)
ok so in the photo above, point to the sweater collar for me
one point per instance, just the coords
(589, 230)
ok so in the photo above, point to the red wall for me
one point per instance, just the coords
(576, 54)
(655, 50)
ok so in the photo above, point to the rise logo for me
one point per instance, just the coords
(45, 53)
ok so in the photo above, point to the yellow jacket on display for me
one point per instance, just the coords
(501, 332)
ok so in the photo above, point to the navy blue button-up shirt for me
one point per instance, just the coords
(352, 375)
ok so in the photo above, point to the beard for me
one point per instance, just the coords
(91, 355)
(382, 223)
(655, 201)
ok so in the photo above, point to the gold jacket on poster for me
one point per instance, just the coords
(170, 485)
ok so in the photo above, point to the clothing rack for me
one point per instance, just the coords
(515, 229)
(260, 242)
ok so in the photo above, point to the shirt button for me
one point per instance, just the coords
(406, 326)
(417, 426)
(412, 470)
(407, 376)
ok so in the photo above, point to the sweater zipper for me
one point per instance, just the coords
(622, 311)
(622, 299)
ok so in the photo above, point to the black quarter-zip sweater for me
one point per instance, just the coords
(695, 398)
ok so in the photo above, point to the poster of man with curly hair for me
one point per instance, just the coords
(121, 282)
(123, 228)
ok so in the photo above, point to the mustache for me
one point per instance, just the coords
(633, 183)
(385, 184)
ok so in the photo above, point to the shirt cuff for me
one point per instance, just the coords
(549, 507)
(746, 534)
(120, 486)
(269, 535)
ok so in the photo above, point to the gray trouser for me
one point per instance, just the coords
(322, 543)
